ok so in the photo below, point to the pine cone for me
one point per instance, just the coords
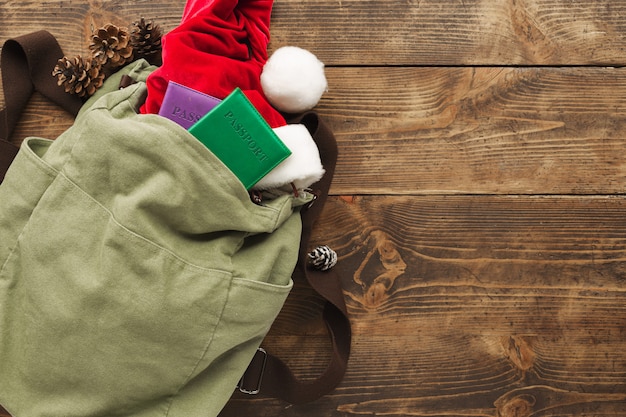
(322, 258)
(78, 75)
(111, 46)
(145, 38)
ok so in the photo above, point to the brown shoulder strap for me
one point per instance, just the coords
(268, 374)
(27, 63)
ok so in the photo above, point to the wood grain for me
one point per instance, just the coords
(461, 130)
(458, 32)
(469, 306)
(478, 204)
(478, 130)
(355, 32)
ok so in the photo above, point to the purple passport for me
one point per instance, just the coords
(185, 105)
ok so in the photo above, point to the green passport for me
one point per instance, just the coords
(241, 138)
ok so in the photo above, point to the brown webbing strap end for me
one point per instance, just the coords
(27, 62)
(268, 374)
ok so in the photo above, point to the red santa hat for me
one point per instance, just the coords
(222, 44)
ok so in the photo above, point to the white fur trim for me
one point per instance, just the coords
(303, 167)
(293, 79)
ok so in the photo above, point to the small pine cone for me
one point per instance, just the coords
(322, 258)
(111, 46)
(145, 39)
(78, 75)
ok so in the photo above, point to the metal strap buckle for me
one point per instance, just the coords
(315, 194)
(256, 367)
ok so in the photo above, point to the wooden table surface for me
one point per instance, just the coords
(478, 206)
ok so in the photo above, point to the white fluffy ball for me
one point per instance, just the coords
(293, 79)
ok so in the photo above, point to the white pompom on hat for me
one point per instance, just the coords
(293, 79)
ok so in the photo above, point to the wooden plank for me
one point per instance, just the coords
(462, 130)
(356, 32)
(468, 306)
(457, 32)
(478, 130)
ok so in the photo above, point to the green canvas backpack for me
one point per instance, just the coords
(137, 277)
